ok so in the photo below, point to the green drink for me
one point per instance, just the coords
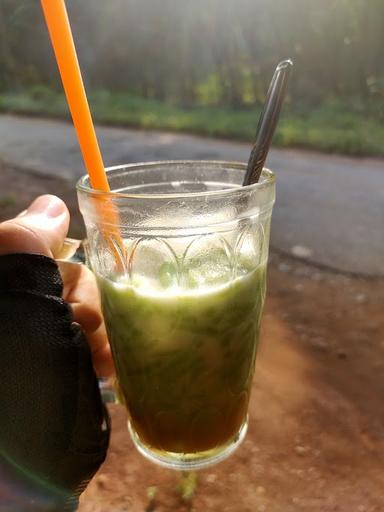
(180, 257)
(185, 360)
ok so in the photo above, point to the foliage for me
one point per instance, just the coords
(348, 127)
(217, 52)
(204, 66)
(187, 485)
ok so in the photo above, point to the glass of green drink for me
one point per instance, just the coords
(180, 263)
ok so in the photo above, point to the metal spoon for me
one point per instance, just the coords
(267, 122)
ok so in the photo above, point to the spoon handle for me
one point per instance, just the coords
(267, 122)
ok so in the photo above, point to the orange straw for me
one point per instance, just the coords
(62, 41)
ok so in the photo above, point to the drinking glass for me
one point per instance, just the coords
(179, 250)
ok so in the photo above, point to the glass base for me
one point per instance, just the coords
(189, 461)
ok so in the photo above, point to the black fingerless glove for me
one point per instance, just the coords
(54, 429)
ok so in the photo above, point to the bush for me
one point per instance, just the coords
(352, 128)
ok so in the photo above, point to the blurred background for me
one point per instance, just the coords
(204, 66)
(153, 69)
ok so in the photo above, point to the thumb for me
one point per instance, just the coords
(40, 229)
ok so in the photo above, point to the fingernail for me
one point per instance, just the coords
(50, 206)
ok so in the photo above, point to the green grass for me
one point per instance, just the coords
(354, 129)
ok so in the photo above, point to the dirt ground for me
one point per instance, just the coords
(316, 431)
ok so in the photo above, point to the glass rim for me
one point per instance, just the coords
(269, 180)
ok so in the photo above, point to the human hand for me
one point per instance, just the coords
(54, 430)
(41, 229)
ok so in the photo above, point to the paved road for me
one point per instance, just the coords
(329, 209)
